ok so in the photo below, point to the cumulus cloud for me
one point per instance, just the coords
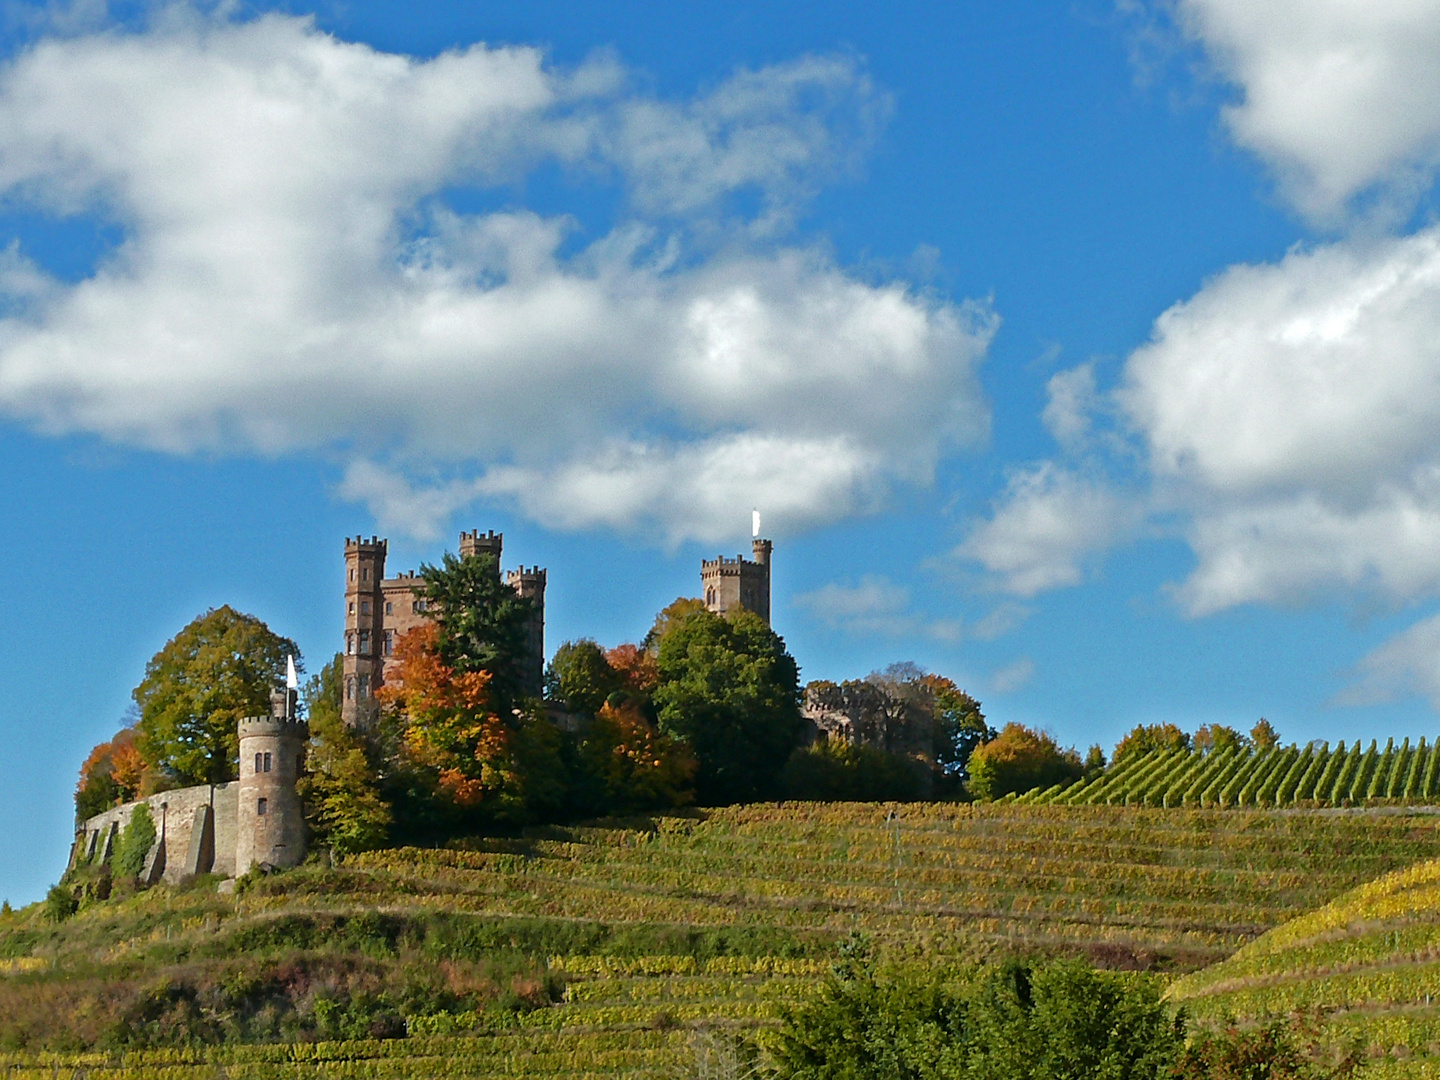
(1071, 406)
(1408, 664)
(880, 607)
(1046, 525)
(291, 279)
(1012, 677)
(1338, 96)
(1291, 410)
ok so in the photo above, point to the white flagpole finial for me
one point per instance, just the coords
(292, 680)
(755, 523)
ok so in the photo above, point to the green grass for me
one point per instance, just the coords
(600, 950)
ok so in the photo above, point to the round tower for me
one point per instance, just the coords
(270, 823)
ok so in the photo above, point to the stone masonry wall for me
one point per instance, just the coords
(174, 815)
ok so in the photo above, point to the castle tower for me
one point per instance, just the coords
(472, 543)
(739, 582)
(270, 820)
(364, 629)
(530, 584)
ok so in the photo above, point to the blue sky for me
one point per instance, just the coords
(1083, 351)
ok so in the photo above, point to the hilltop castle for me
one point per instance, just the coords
(258, 820)
(378, 610)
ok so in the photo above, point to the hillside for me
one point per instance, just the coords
(1366, 965)
(598, 950)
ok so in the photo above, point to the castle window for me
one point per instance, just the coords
(389, 608)
(350, 689)
(364, 607)
(364, 642)
(350, 609)
(364, 686)
(267, 762)
(389, 641)
(352, 574)
(365, 574)
(349, 644)
(259, 761)
(262, 807)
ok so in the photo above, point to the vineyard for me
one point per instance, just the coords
(1308, 776)
(1367, 964)
(617, 947)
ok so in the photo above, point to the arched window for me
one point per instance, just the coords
(259, 761)
(262, 807)
(350, 689)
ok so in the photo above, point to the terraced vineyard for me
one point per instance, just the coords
(1310, 776)
(710, 920)
(1367, 964)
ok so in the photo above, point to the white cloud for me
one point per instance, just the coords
(1408, 664)
(1338, 96)
(1291, 413)
(1012, 677)
(289, 280)
(1046, 525)
(878, 607)
(1071, 406)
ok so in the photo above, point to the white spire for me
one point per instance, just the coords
(755, 523)
(292, 681)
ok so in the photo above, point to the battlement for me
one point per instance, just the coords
(273, 727)
(360, 544)
(535, 573)
(739, 563)
(739, 582)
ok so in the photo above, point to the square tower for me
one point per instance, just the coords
(364, 629)
(739, 582)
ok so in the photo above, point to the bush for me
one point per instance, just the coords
(60, 903)
(135, 843)
(838, 770)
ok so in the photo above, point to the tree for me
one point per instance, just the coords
(633, 765)
(670, 616)
(731, 691)
(581, 677)
(960, 726)
(835, 770)
(215, 672)
(448, 726)
(1149, 739)
(1019, 760)
(1217, 738)
(341, 786)
(1264, 735)
(483, 624)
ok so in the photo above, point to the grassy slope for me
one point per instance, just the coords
(713, 919)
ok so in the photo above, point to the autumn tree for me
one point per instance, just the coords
(581, 676)
(341, 785)
(1264, 735)
(1149, 739)
(113, 773)
(729, 689)
(1217, 738)
(218, 670)
(633, 765)
(1019, 760)
(447, 723)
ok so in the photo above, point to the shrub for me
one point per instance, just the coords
(838, 770)
(60, 903)
(135, 843)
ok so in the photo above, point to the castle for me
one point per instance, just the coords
(379, 610)
(258, 820)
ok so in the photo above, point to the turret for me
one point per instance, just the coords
(364, 628)
(738, 583)
(270, 822)
(530, 584)
(476, 543)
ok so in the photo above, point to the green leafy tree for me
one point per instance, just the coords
(1149, 739)
(341, 785)
(731, 691)
(484, 624)
(218, 670)
(670, 615)
(1018, 760)
(836, 770)
(581, 677)
(135, 843)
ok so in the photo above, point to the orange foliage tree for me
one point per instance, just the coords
(113, 773)
(448, 725)
(636, 766)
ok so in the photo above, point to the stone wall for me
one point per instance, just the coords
(175, 816)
